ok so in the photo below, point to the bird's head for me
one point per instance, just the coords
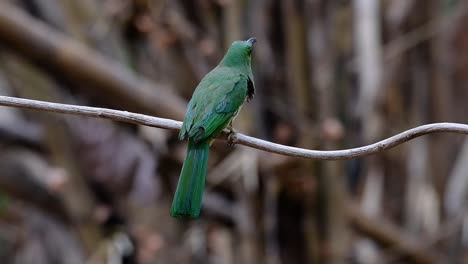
(239, 53)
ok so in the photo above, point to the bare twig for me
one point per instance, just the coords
(239, 138)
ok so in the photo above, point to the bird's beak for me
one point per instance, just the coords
(251, 41)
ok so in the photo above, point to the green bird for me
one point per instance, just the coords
(215, 102)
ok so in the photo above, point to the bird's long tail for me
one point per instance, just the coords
(189, 192)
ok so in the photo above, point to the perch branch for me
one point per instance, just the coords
(239, 138)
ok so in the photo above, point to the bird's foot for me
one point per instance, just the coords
(230, 138)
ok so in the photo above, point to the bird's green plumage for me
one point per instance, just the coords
(216, 100)
(189, 193)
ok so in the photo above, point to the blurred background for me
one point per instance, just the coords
(329, 74)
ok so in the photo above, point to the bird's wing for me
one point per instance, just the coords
(212, 108)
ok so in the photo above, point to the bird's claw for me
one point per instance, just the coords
(230, 139)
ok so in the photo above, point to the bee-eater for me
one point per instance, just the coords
(215, 102)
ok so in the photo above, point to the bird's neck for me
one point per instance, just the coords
(235, 62)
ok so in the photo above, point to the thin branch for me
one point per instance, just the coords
(238, 138)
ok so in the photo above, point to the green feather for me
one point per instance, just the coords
(215, 101)
(189, 192)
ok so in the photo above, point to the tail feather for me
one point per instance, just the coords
(189, 192)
